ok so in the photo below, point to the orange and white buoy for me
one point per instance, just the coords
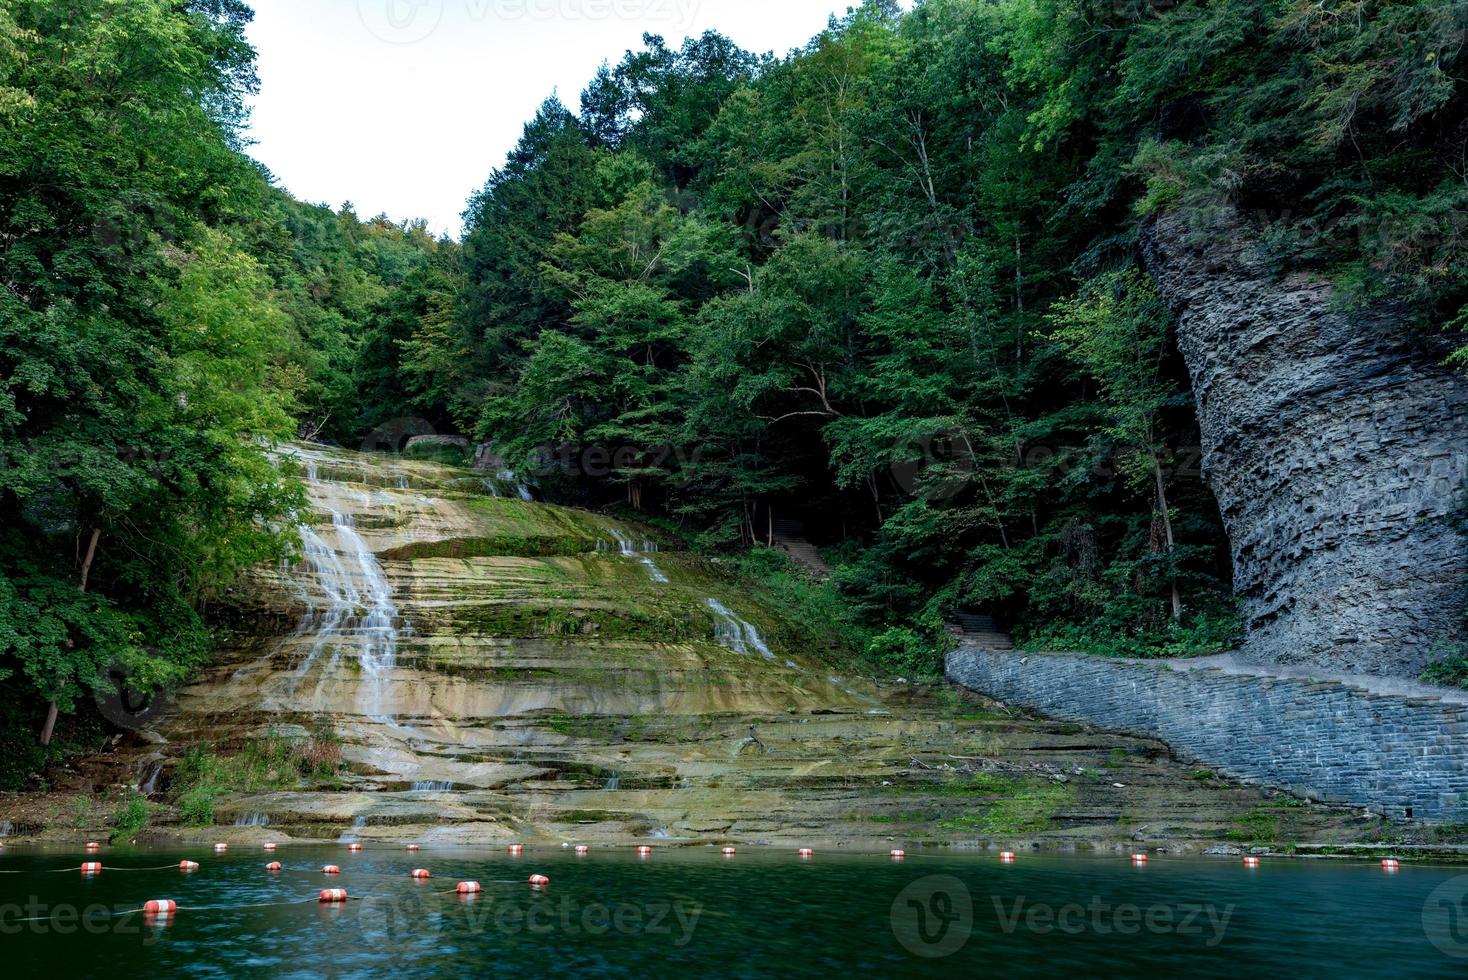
(1251, 862)
(414, 847)
(93, 846)
(1139, 859)
(468, 888)
(643, 850)
(539, 881)
(1391, 864)
(220, 848)
(273, 866)
(897, 854)
(1007, 857)
(806, 852)
(161, 908)
(331, 869)
(188, 866)
(582, 850)
(91, 867)
(729, 852)
(354, 847)
(421, 873)
(516, 850)
(333, 896)
(268, 847)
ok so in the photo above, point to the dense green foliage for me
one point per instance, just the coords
(889, 285)
(167, 316)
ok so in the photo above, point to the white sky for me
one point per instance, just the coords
(404, 106)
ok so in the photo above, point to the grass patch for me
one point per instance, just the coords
(1030, 809)
(270, 763)
(131, 818)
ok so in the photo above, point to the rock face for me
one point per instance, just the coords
(1335, 442)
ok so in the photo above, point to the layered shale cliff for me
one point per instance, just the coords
(1335, 442)
(494, 669)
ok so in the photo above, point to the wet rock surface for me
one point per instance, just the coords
(1336, 443)
(493, 669)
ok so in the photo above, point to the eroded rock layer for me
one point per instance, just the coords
(493, 669)
(1335, 442)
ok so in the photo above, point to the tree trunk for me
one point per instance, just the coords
(1177, 599)
(49, 728)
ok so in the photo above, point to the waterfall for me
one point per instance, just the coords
(432, 787)
(252, 820)
(6, 828)
(631, 550)
(737, 634)
(357, 824)
(614, 782)
(150, 770)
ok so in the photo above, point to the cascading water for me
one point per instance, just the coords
(252, 820)
(614, 782)
(347, 597)
(630, 548)
(428, 786)
(737, 634)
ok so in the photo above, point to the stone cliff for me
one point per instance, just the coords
(1335, 442)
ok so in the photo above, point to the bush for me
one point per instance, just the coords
(131, 818)
(903, 650)
(1448, 672)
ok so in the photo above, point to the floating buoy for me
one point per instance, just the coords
(1392, 864)
(729, 852)
(1006, 856)
(268, 847)
(1251, 862)
(414, 847)
(220, 848)
(582, 850)
(333, 896)
(92, 868)
(354, 847)
(806, 852)
(1139, 859)
(897, 854)
(468, 888)
(273, 866)
(162, 908)
(93, 846)
(539, 881)
(643, 850)
(421, 873)
(188, 866)
(516, 849)
(331, 869)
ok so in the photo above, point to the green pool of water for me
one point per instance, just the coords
(692, 912)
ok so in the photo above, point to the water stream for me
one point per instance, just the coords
(737, 633)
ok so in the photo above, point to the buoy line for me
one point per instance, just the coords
(88, 867)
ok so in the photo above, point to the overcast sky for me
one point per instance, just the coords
(404, 106)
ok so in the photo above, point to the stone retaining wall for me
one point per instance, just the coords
(1326, 740)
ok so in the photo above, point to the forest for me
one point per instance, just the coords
(887, 285)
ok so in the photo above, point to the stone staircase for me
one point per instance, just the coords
(976, 629)
(790, 538)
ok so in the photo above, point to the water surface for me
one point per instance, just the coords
(763, 912)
